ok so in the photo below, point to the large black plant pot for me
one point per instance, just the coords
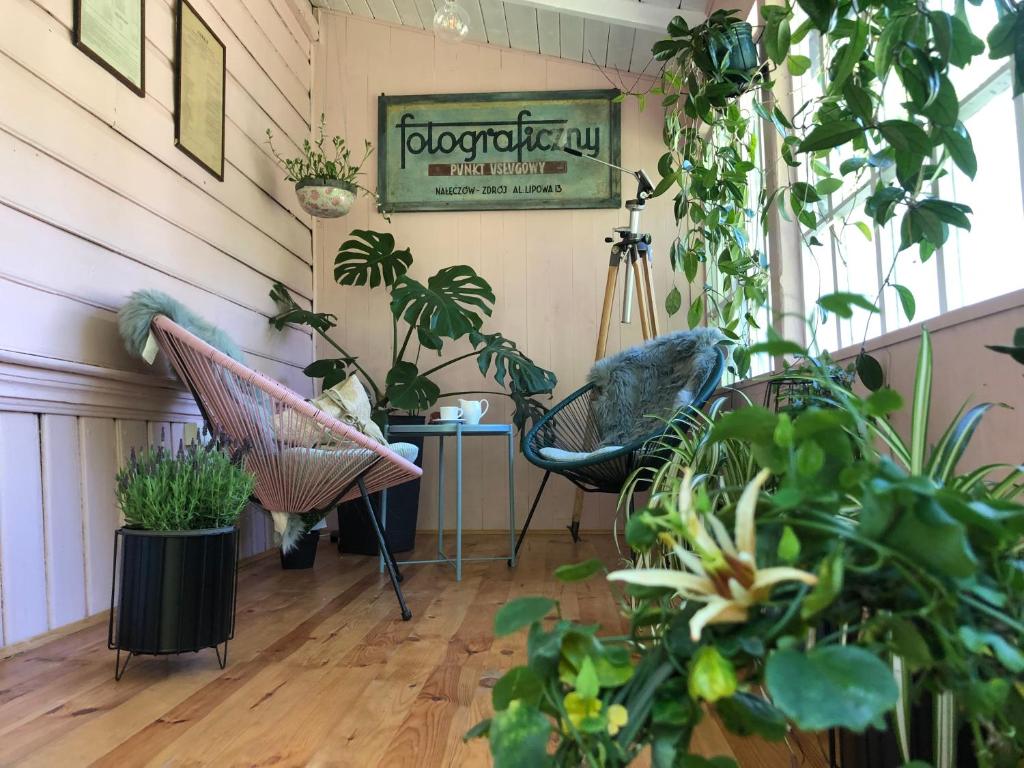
(355, 535)
(878, 749)
(174, 592)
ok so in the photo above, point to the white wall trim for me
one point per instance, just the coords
(33, 384)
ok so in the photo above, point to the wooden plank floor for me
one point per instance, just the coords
(322, 672)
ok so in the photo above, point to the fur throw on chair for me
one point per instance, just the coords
(137, 315)
(638, 388)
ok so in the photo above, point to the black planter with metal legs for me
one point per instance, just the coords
(173, 592)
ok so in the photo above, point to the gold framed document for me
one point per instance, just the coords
(199, 74)
(113, 34)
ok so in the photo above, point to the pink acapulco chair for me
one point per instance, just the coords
(303, 460)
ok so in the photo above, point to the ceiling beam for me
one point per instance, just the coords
(627, 13)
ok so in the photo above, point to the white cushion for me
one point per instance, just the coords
(557, 454)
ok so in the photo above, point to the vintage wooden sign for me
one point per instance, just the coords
(495, 151)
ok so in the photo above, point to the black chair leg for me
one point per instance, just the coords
(533, 508)
(389, 559)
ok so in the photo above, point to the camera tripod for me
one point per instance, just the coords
(633, 247)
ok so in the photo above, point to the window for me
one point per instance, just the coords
(972, 266)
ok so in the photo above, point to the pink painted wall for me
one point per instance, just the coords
(547, 267)
(964, 372)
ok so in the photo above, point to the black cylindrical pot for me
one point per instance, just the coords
(174, 591)
(356, 537)
(304, 554)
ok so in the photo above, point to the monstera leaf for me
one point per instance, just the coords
(407, 390)
(370, 257)
(523, 375)
(290, 312)
(332, 370)
(448, 306)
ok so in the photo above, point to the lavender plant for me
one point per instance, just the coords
(201, 485)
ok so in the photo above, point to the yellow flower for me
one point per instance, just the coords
(617, 717)
(579, 708)
(717, 569)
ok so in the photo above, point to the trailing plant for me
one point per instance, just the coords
(710, 158)
(781, 603)
(451, 306)
(201, 485)
(316, 162)
(831, 142)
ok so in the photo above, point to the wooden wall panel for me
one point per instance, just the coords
(547, 268)
(96, 202)
(22, 559)
(62, 520)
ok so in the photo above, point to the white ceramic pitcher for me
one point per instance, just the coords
(473, 410)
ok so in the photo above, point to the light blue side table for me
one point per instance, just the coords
(458, 431)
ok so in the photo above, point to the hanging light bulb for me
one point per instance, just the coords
(451, 22)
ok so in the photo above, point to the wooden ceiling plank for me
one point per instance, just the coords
(620, 47)
(595, 42)
(522, 27)
(628, 13)
(570, 29)
(548, 33)
(494, 22)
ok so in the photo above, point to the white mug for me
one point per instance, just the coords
(474, 410)
(450, 413)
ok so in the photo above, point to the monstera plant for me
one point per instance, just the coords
(451, 306)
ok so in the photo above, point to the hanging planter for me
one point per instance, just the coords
(326, 186)
(325, 198)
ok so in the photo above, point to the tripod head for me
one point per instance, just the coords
(631, 240)
(644, 191)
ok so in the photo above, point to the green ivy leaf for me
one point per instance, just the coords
(519, 683)
(578, 571)
(961, 149)
(797, 64)
(519, 737)
(906, 300)
(712, 676)
(905, 136)
(837, 686)
(842, 303)
(789, 546)
(821, 12)
(831, 134)
(673, 301)
(869, 370)
(830, 574)
(521, 613)
(747, 715)
(695, 315)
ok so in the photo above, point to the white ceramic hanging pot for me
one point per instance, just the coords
(325, 198)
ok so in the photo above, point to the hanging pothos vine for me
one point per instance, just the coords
(840, 138)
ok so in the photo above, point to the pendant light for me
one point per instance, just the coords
(451, 22)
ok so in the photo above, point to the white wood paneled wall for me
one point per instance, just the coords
(96, 202)
(58, 515)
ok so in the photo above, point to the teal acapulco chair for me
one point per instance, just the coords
(569, 426)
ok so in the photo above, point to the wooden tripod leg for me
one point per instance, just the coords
(648, 283)
(602, 346)
(641, 296)
(609, 301)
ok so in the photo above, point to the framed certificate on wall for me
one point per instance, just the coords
(199, 74)
(113, 34)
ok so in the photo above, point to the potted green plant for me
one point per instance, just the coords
(175, 558)
(326, 186)
(841, 587)
(449, 307)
